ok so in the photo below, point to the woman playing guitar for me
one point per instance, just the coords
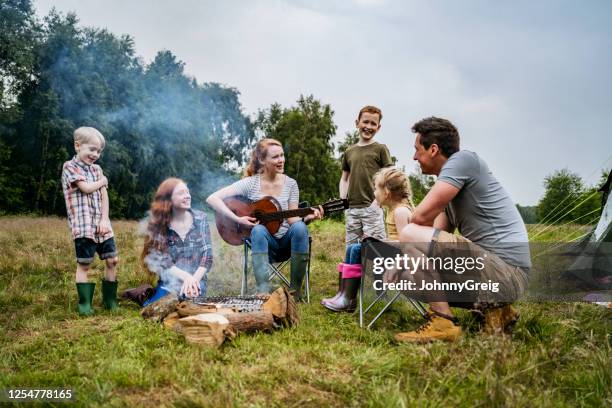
(264, 176)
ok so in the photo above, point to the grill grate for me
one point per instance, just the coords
(239, 303)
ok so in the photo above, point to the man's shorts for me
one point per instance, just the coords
(512, 279)
(86, 249)
(364, 221)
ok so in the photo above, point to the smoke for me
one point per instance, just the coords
(155, 261)
(158, 121)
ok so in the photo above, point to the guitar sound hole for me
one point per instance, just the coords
(258, 214)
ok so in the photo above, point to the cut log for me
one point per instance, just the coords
(171, 319)
(282, 305)
(212, 328)
(188, 308)
(250, 322)
(158, 310)
(277, 303)
(208, 328)
(293, 317)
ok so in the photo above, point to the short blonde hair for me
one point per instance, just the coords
(86, 134)
(396, 184)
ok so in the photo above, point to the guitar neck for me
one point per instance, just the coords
(299, 212)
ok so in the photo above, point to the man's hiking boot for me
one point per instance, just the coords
(500, 320)
(437, 327)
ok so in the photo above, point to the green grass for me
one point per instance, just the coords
(559, 354)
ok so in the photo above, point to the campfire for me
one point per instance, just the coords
(238, 303)
(213, 320)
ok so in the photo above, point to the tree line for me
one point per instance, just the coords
(158, 122)
(567, 199)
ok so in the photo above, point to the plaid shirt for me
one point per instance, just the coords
(84, 210)
(192, 252)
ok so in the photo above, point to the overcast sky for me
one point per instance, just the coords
(527, 83)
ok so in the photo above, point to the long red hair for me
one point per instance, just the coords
(160, 216)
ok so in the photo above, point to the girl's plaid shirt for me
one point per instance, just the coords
(192, 252)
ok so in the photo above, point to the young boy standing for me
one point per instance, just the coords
(359, 164)
(84, 187)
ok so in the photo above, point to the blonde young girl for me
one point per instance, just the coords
(392, 191)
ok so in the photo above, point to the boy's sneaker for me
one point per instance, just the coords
(436, 328)
(500, 320)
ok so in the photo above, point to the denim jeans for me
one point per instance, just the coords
(353, 254)
(294, 240)
(161, 291)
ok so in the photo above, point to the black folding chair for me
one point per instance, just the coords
(276, 270)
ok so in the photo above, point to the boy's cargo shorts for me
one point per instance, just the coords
(367, 221)
(86, 249)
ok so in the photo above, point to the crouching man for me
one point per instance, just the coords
(466, 196)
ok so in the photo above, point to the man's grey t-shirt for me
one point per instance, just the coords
(483, 211)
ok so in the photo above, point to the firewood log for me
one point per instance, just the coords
(293, 317)
(277, 303)
(282, 305)
(212, 328)
(250, 322)
(170, 320)
(207, 328)
(157, 311)
(188, 308)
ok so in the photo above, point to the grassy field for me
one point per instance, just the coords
(559, 354)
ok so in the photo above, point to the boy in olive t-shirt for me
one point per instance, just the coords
(359, 164)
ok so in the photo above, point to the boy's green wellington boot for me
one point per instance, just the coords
(260, 270)
(299, 264)
(109, 294)
(85, 291)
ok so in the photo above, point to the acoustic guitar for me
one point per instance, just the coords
(267, 211)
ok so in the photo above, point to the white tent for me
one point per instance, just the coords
(594, 263)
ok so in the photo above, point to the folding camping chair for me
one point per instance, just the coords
(381, 295)
(275, 270)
